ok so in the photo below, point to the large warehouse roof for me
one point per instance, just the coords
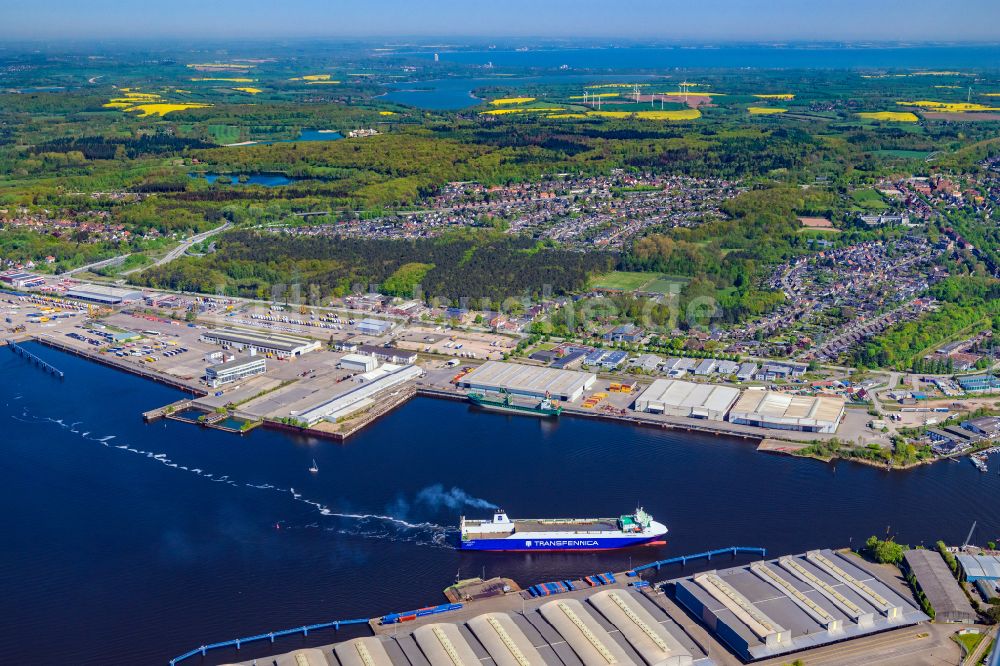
(664, 394)
(935, 579)
(980, 566)
(766, 609)
(527, 379)
(268, 340)
(102, 294)
(775, 407)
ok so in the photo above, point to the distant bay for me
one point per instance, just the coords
(781, 57)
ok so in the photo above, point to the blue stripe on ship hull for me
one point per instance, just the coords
(579, 543)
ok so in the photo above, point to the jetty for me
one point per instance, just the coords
(44, 365)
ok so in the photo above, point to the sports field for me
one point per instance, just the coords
(659, 283)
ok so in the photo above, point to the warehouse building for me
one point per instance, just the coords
(358, 362)
(360, 397)
(19, 279)
(727, 367)
(979, 383)
(570, 361)
(784, 371)
(936, 581)
(613, 359)
(389, 354)
(529, 381)
(619, 626)
(677, 398)
(980, 567)
(987, 426)
(706, 367)
(276, 344)
(767, 609)
(746, 372)
(93, 293)
(373, 326)
(235, 370)
(783, 411)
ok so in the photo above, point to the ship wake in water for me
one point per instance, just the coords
(366, 525)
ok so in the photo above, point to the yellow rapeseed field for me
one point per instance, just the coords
(149, 104)
(250, 91)
(130, 99)
(765, 110)
(386, 113)
(951, 107)
(512, 100)
(311, 77)
(165, 108)
(784, 96)
(891, 116)
(566, 115)
(681, 114)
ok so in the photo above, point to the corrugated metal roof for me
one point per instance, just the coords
(676, 393)
(776, 406)
(980, 566)
(938, 583)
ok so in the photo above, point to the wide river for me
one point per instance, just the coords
(127, 543)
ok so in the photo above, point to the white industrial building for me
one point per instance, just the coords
(276, 344)
(746, 372)
(373, 326)
(358, 362)
(706, 367)
(96, 293)
(358, 398)
(528, 380)
(235, 370)
(783, 411)
(727, 367)
(677, 398)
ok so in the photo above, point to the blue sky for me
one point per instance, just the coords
(882, 20)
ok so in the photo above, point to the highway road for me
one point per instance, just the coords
(183, 247)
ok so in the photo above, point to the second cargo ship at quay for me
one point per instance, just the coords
(502, 533)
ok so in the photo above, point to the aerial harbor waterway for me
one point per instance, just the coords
(135, 542)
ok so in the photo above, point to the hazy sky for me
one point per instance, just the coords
(882, 20)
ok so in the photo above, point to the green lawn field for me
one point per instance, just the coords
(634, 281)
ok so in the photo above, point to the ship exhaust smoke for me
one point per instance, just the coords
(436, 497)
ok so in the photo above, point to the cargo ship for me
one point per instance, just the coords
(504, 403)
(502, 533)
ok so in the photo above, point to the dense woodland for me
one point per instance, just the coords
(452, 268)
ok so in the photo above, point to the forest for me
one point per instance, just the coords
(467, 266)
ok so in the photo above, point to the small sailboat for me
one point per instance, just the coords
(315, 467)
